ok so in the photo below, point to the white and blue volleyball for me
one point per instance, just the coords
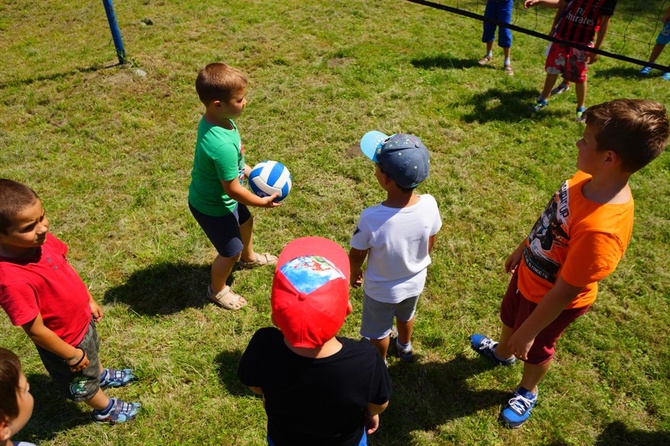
(270, 177)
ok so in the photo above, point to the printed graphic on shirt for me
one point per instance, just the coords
(308, 273)
(549, 235)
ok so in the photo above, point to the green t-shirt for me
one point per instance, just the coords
(219, 156)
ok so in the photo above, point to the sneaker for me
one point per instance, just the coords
(562, 88)
(508, 70)
(404, 355)
(485, 60)
(115, 378)
(580, 114)
(666, 76)
(485, 347)
(518, 408)
(645, 70)
(539, 105)
(120, 412)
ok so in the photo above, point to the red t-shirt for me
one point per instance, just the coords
(580, 19)
(576, 239)
(46, 284)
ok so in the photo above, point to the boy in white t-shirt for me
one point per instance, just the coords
(396, 236)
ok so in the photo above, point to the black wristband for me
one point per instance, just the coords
(80, 360)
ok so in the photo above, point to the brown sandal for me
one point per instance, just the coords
(226, 298)
(261, 260)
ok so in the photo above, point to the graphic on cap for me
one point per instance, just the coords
(309, 273)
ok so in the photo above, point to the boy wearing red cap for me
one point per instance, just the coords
(318, 389)
(396, 236)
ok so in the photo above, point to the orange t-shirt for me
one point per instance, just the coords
(576, 239)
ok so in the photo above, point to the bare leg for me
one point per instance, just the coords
(655, 52)
(246, 233)
(501, 350)
(489, 47)
(549, 82)
(221, 268)
(99, 401)
(533, 374)
(405, 330)
(507, 52)
(580, 89)
(382, 345)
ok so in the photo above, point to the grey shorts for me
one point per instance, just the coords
(80, 386)
(378, 316)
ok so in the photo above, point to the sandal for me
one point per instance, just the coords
(261, 260)
(226, 298)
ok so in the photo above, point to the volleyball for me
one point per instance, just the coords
(270, 177)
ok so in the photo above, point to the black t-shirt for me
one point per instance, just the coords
(315, 401)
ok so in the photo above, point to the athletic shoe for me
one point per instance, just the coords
(666, 76)
(518, 408)
(485, 347)
(485, 60)
(120, 412)
(115, 378)
(646, 70)
(539, 105)
(580, 114)
(508, 70)
(562, 88)
(404, 355)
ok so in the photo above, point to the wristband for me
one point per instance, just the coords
(80, 359)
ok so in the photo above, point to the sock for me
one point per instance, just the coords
(489, 54)
(404, 347)
(501, 359)
(106, 410)
(507, 61)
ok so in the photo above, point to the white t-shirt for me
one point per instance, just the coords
(397, 239)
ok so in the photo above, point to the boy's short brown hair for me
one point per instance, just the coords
(219, 81)
(14, 197)
(636, 129)
(10, 371)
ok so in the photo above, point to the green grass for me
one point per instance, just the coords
(110, 154)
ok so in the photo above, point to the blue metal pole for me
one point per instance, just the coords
(116, 33)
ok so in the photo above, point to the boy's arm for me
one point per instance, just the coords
(96, 311)
(604, 24)
(241, 194)
(514, 259)
(548, 3)
(372, 412)
(546, 311)
(431, 242)
(356, 259)
(42, 336)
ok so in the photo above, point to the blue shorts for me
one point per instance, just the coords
(377, 319)
(664, 36)
(224, 231)
(500, 10)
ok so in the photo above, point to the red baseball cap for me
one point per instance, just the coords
(310, 291)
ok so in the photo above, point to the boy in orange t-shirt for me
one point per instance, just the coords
(577, 241)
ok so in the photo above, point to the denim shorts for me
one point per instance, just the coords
(377, 319)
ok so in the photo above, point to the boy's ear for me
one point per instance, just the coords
(5, 433)
(612, 159)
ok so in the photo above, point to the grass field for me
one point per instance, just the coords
(110, 154)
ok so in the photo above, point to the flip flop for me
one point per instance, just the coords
(226, 298)
(261, 260)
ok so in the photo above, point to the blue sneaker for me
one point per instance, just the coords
(645, 70)
(666, 76)
(562, 88)
(115, 378)
(539, 105)
(485, 347)
(580, 114)
(518, 408)
(120, 412)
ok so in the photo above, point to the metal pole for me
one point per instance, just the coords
(116, 33)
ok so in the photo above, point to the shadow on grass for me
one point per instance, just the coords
(53, 413)
(164, 288)
(55, 76)
(443, 62)
(427, 395)
(629, 72)
(617, 433)
(506, 106)
(227, 363)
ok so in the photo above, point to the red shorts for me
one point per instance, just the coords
(515, 309)
(570, 62)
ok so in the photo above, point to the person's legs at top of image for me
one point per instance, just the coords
(580, 89)
(488, 57)
(507, 64)
(382, 346)
(545, 94)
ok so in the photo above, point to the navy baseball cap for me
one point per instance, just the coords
(402, 157)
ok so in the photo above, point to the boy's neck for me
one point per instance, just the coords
(14, 252)
(398, 199)
(331, 347)
(214, 118)
(608, 189)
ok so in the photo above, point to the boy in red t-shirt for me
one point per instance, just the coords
(577, 241)
(42, 293)
(579, 21)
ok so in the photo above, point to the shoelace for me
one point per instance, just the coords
(487, 344)
(520, 404)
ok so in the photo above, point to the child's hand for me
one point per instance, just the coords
(371, 423)
(96, 311)
(78, 363)
(528, 3)
(356, 280)
(519, 345)
(514, 259)
(268, 202)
